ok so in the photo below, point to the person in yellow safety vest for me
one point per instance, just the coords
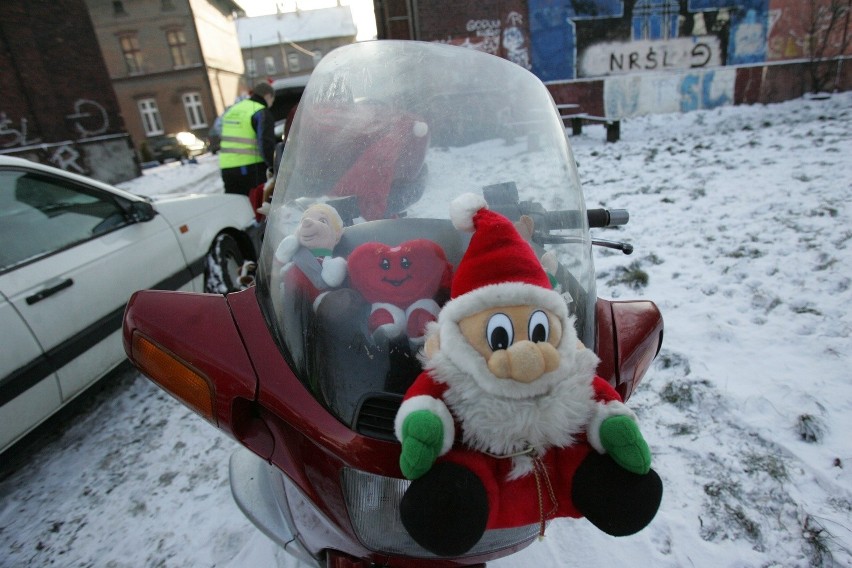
(248, 141)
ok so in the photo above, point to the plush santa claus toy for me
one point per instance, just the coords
(508, 425)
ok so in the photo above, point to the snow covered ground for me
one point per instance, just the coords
(742, 225)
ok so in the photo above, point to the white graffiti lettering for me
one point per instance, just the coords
(484, 27)
(65, 157)
(514, 41)
(89, 118)
(13, 136)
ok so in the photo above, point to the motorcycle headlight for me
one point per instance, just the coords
(373, 505)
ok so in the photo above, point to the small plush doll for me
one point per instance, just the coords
(508, 425)
(402, 283)
(304, 258)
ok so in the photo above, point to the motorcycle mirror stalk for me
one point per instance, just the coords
(626, 248)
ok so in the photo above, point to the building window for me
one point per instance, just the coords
(167, 5)
(269, 62)
(132, 53)
(177, 47)
(151, 121)
(194, 110)
(118, 8)
(251, 68)
(293, 62)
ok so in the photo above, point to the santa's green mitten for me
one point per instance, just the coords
(622, 440)
(422, 438)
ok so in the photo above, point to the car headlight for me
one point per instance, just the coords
(373, 505)
(186, 138)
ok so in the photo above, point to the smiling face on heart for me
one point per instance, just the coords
(398, 275)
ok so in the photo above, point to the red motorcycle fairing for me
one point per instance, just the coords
(629, 337)
(259, 401)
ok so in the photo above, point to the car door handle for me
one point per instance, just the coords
(47, 292)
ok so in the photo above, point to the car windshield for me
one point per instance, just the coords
(387, 134)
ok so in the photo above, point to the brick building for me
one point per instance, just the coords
(58, 106)
(174, 64)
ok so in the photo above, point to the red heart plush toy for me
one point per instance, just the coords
(402, 283)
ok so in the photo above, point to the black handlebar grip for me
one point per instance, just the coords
(599, 218)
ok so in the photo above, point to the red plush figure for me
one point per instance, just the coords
(402, 284)
(508, 425)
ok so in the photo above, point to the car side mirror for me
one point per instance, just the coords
(141, 211)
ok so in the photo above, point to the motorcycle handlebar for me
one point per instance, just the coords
(503, 198)
(598, 218)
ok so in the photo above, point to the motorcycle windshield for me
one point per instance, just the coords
(359, 248)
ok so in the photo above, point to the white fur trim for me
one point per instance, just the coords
(286, 249)
(504, 425)
(398, 315)
(430, 306)
(318, 300)
(503, 294)
(601, 413)
(334, 270)
(463, 208)
(433, 405)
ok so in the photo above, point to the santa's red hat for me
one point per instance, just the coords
(499, 267)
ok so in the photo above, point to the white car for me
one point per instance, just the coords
(72, 251)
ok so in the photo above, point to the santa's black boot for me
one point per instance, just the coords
(613, 499)
(446, 510)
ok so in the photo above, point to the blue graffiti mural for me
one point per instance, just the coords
(742, 27)
(655, 19)
(749, 27)
(697, 92)
(552, 40)
(747, 42)
(553, 33)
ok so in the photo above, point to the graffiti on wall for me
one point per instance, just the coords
(14, 134)
(515, 40)
(638, 94)
(618, 58)
(87, 119)
(595, 38)
(504, 37)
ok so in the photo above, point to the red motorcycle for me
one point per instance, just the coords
(296, 370)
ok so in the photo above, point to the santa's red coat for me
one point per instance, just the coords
(515, 502)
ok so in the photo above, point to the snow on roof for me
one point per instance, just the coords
(303, 25)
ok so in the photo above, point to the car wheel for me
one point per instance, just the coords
(223, 265)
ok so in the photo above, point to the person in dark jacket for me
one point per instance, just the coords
(248, 141)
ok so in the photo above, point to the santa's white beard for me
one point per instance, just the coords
(505, 425)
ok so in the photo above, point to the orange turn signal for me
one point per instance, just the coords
(174, 376)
